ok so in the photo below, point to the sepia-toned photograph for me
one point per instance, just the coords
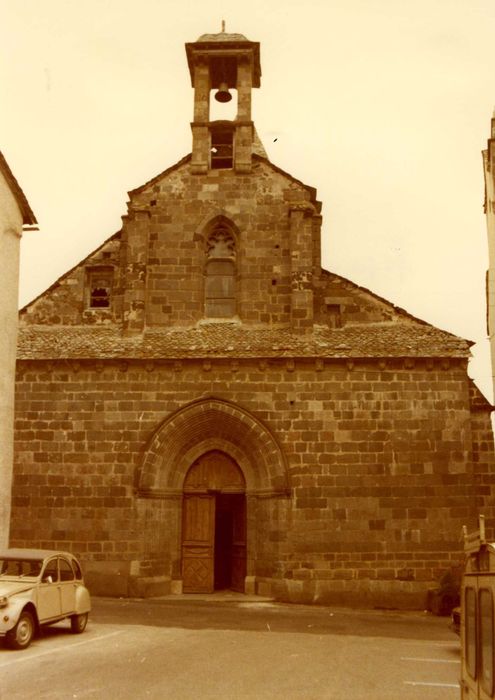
(247, 351)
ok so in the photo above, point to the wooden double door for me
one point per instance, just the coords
(214, 526)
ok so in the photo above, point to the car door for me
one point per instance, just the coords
(49, 606)
(486, 628)
(67, 586)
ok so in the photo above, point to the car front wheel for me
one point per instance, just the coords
(78, 623)
(21, 635)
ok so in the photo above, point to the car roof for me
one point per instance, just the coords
(18, 553)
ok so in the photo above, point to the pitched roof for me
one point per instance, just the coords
(28, 218)
(230, 340)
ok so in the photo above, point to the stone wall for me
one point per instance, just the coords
(158, 259)
(384, 463)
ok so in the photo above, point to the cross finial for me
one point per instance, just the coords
(223, 25)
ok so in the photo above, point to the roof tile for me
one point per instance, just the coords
(233, 340)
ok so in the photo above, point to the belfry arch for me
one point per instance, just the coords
(212, 424)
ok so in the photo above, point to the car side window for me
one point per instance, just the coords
(34, 568)
(51, 569)
(77, 570)
(12, 567)
(66, 573)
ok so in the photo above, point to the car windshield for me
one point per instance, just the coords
(17, 568)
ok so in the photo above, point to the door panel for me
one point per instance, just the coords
(198, 536)
(215, 471)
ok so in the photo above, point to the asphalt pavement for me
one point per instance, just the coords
(237, 647)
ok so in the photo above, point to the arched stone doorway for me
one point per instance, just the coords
(166, 476)
(206, 425)
(214, 525)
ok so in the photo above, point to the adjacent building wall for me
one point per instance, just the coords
(14, 212)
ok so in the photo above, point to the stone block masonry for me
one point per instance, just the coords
(379, 482)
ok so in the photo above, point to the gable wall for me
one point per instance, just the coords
(65, 302)
(159, 257)
(179, 208)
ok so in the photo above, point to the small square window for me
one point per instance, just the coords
(334, 315)
(99, 288)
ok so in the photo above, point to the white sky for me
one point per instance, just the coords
(383, 105)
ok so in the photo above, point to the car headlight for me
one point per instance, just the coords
(4, 601)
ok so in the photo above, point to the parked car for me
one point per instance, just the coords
(39, 587)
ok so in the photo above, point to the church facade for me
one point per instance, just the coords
(201, 406)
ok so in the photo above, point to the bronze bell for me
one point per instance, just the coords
(223, 94)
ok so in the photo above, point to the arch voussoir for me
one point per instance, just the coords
(206, 425)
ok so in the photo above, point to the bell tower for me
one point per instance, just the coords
(223, 62)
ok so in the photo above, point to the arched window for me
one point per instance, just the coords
(220, 274)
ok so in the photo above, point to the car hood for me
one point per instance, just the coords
(9, 588)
